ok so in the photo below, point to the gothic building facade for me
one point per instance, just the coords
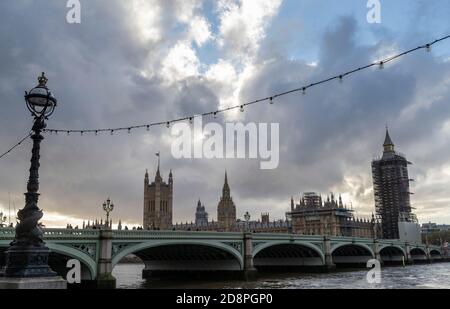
(227, 220)
(391, 190)
(158, 202)
(226, 209)
(201, 216)
(312, 216)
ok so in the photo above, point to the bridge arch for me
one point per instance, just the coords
(264, 246)
(418, 254)
(417, 251)
(215, 246)
(287, 254)
(392, 254)
(354, 245)
(393, 248)
(84, 259)
(351, 254)
(435, 254)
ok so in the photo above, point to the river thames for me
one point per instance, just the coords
(429, 276)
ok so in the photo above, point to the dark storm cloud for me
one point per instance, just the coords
(337, 129)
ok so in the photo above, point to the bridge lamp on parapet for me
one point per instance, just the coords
(247, 219)
(27, 256)
(108, 207)
(3, 219)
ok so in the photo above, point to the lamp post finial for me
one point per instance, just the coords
(42, 79)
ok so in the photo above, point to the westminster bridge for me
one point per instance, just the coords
(174, 251)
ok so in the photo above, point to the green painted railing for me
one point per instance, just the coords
(49, 234)
(73, 234)
(173, 234)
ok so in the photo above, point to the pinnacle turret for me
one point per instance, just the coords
(388, 144)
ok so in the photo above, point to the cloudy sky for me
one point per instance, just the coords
(139, 61)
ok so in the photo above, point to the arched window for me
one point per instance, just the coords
(152, 206)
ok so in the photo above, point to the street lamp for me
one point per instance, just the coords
(27, 256)
(108, 207)
(247, 219)
(3, 219)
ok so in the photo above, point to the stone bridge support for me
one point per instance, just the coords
(329, 265)
(105, 279)
(250, 271)
(376, 250)
(428, 252)
(408, 260)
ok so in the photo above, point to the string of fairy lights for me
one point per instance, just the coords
(270, 99)
(15, 146)
(241, 107)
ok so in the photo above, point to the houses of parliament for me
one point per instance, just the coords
(311, 216)
(158, 202)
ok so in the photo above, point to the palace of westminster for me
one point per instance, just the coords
(313, 215)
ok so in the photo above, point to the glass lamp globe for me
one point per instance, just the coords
(247, 216)
(40, 100)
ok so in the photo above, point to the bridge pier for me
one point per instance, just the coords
(408, 260)
(329, 265)
(428, 252)
(105, 279)
(376, 251)
(250, 272)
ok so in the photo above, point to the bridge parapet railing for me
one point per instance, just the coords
(285, 236)
(280, 236)
(9, 233)
(70, 233)
(173, 234)
(398, 242)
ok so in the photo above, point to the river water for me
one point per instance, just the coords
(429, 276)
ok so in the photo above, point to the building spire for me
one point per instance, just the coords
(226, 187)
(158, 155)
(170, 178)
(388, 144)
(158, 173)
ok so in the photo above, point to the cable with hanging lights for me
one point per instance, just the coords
(340, 77)
(15, 146)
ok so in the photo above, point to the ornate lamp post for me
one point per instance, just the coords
(108, 207)
(27, 256)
